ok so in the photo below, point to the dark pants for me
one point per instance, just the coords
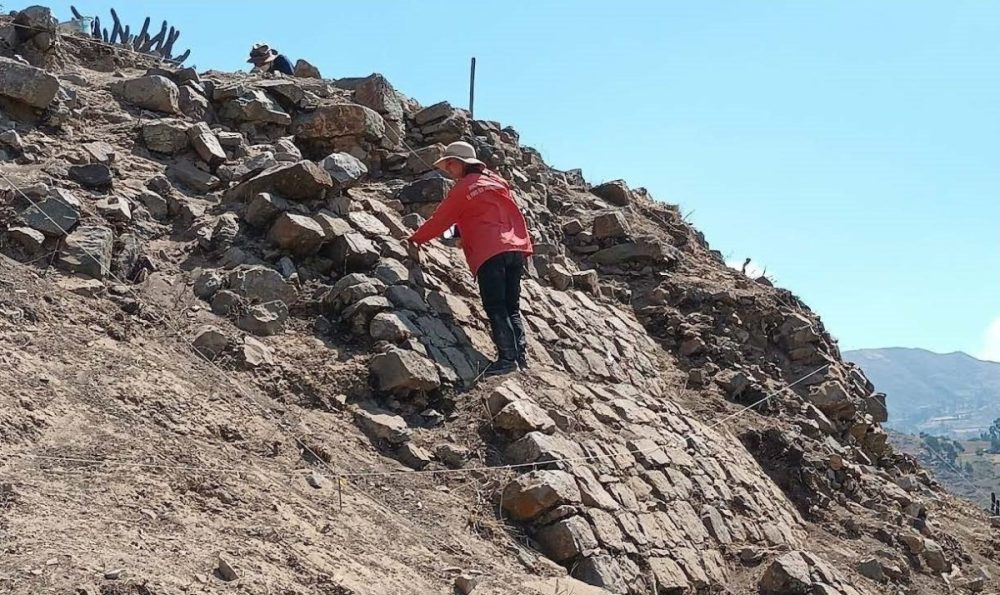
(500, 287)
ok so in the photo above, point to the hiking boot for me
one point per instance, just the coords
(500, 368)
(522, 362)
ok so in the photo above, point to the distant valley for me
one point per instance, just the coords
(951, 394)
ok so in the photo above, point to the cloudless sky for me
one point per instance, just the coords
(851, 147)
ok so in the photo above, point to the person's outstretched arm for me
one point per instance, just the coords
(444, 217)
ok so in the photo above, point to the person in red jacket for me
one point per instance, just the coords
(494, 237)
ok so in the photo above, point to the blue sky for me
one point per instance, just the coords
(850, 147)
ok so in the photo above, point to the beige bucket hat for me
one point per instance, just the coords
(462, 151)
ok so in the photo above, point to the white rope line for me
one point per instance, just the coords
(752, 405)
(120, 462)
(177, 330)
(683, 438)
(91, 39)
(408, 147)
(481, 469)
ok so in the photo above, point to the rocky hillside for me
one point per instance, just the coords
(939, 393)
(223, 372)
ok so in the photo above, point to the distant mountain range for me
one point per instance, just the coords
(949, 394)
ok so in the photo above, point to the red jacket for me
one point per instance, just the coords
(489, 221)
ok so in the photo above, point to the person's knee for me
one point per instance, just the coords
(495, 303)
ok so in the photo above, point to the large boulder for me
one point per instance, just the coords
(33, 34)
(31, 241)
(265, 208)
(934, 556)
(287, 92)
(537, 447)
(789, 574)
(669, 576)
(100, 152)
(33, 22)
(433, 113)
(534, 493)
(115, 209)
(189, 174)
(360, 314)
(522, 416)
(382, 425)
(344, 168)
(165, 135)
(433, 188)
(392, 272)
(567, 539)
(260, 284)
(392, 327)
(615, 192)
(353, 252)
(194, 104)
(833, 400)
(92, 175)
(453, 128)
(601, 571)
(88, 251)
(127, 262)
(264, 319)
(297, 234)
(403, 371)
(210, 341)
(154, 92)
(247, 167)
(206, 144)
(338, 126)
(251, 105)
(27, 84)
(368, 224)
(875, 406)
(422, 160)
(304, 69)
(376, 92)
(55, 215)
(295, 181)
(350, 289)
(610, 226)
(639, 251)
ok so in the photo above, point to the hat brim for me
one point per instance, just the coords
(462, 159)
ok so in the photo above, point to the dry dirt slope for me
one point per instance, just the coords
(272, 210)
(230, 482)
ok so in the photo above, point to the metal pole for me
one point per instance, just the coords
(472, 89)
